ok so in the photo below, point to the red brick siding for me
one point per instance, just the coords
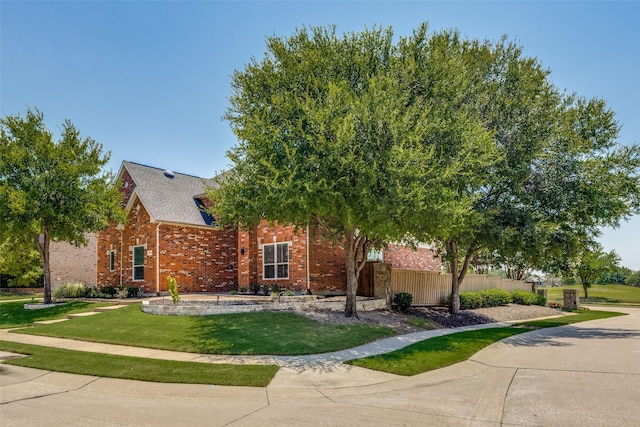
(137, 232)
(247, 258)
(127, 185)
(402, 257)
(108, 239)
(201, 260)
(327, 266)
(267, 234)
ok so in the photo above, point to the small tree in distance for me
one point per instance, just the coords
(52, 190)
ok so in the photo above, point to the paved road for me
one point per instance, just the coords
(582, 375)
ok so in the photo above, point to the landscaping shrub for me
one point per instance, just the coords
(173, 289)
(109, 291)
(70, 290)
(495, 297)
(133, 291)
(403, 301)
(481, 299)
(122, 292)
(527, 298)
(255, 288)
(287, 293)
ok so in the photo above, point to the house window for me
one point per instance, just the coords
(375, 255)
(276, 261)
(112, 260)
(138, 263)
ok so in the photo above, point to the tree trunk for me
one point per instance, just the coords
(42, 242)
(586, 290)
(356, 256)
(458, 277)
(452, 251)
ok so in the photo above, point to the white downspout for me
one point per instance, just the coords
(121, 254)
(308, 266)
(158, 258)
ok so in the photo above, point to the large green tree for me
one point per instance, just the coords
(560, 173)
(20, 261)
(592, 262)
(331, 135)
(52, 190)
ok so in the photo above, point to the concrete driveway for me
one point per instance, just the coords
(582, 375)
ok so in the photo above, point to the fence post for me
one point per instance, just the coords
(571, 299)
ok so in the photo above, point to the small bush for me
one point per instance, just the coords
(287, 293)
(243, 290)
(495, 297)
(133, 291)
(109, 291)
(527, 298)
(122, 292)
(173, 289)
(403, 301)
(255, 288)
(70, 290)
(470, 300)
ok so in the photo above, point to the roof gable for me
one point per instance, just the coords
(170, 196)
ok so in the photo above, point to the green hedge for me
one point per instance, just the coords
(497, 297)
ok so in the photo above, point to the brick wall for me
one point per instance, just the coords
(327, 266)
(251, 263)
(138, 231)
(70, 263)
(127, 185)
(404, 258)
(201, 260)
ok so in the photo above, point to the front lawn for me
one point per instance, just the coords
(13, 314)
(137, 368)
(6, 296)
(446, 350)
(275, 333)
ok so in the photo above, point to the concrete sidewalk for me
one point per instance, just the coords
(580, 375)
(313, 361)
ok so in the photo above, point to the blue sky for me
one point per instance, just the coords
(150, 79)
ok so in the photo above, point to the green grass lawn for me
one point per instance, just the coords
(5, 296)
(13, 314)
(603, 294)
(446, 350)
(136, 368)
(276, 333)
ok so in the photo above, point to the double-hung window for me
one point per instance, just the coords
(276, 261)
(138, 263)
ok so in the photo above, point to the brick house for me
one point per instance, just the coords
(168, 234)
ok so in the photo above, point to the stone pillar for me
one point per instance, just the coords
(571, 299)
(382, 282)
(543, 292)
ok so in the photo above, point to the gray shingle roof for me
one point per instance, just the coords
(168, 199)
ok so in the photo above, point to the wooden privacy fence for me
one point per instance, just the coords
(432, 288)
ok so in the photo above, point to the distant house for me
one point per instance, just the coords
(168, 233)
(72, 264)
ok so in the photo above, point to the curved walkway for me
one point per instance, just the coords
(584, 375)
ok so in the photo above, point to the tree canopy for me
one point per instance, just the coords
(52, 189)
(435, 138)
(329, 134)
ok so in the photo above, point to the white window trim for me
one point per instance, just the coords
(112, 265)
(133, 265)
(275, 264)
